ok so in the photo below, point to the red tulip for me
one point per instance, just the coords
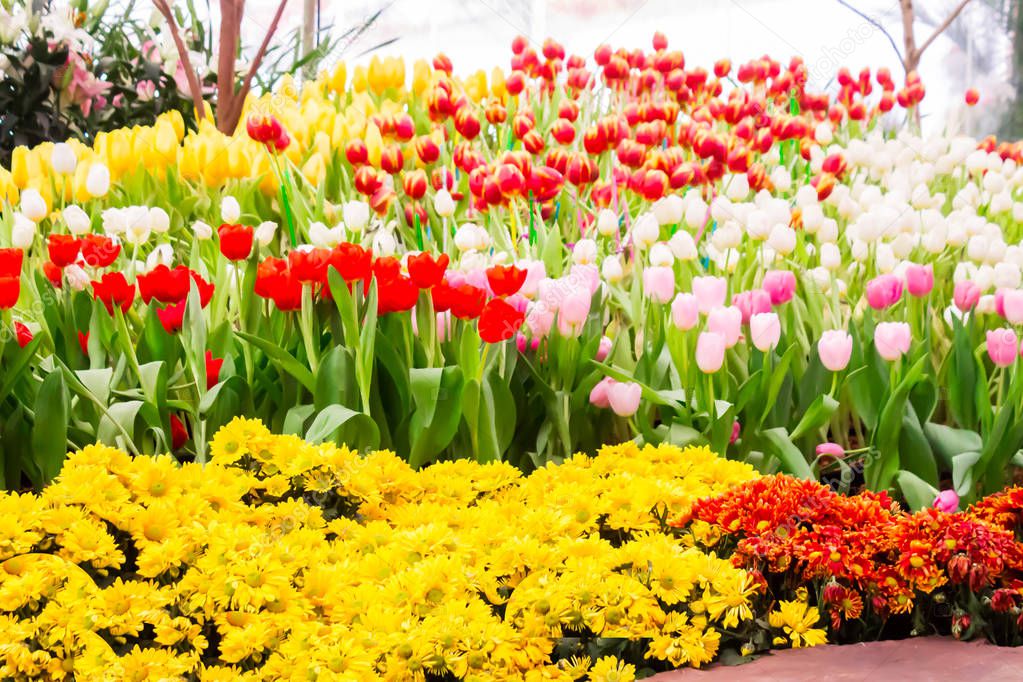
(179, 434)
(114, 291)
(427, 149)
(505, 280)
(386, 268)
(309, 266)
(54, 274)
(426, 271)
(172, 317)
(396, 294)
(357, 152)
(83, 342)
(10, 290)
(63, 249)
(287, 295)
(99, 251)
(10, 262)
(972, 96)
(23, 334)
(352, 262)
(168, 285)
(467, 302)
(415, 183)
(213, 366)
(235, 241)
(268, 276)
(499, 321)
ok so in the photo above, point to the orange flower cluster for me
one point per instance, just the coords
(865, 555)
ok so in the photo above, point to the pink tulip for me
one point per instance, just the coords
(685, 311)
(727, 322)
(478, 279)
(443, 325)
(1012, 305)
(603, 349)
(598, 396)
(919, 279)
(1002, 346)
(883, 291)
(947, 501)
(999, 303)
(835, 348)
(751, 303)
(710, 352)
(518, 301)
(535, 273)
(764, 331)
(892, 339)
(586, 276)
(966, 295)
(659, 283)
(833, 449)
(624, 398)
(780, 285)
(710, 292)
(540, 319)
(572, 313)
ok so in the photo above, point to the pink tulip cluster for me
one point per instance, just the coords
(1003, 346)
(621, 396)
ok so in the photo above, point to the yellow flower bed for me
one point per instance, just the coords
(285, 560)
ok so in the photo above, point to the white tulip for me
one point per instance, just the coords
(683, 247)
(884, 258)
(33, 206)
(1007, 276)
(828, 231)
(77, 220)
(443, 204)
(977, 248)
(823, 133)
(607, 223)
(63, 159)
(737, 187)
(727, 236)
(611, 269)
(646, 230)
(668, 210)
(23, 233)
(781, 178)
(859, 250)
(813, 217)
(230, 210)
(696, 214)
(356, 215)
(758, 225)
(264, 232)
(584, 252)
(201, 230)
(163, 254)
(661, 255)
(97, 182)
(466, 238)
(984, 277)
(782, 239)
(324, 237)
(986, 305)
(114, 221)
(806, 196)
(159, 221)
(384, 243)
(831, 257)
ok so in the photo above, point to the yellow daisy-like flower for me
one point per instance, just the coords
(797, 619)
(610, 669)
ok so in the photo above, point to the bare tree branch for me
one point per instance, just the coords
(876, 24)
(236, 111)
(186, 62)
(941, 28)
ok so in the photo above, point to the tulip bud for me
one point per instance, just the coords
(682, 246)
(710, 352)
(356, 215)
(63, 159)
(835, 349)
(202, 230)
(765, 330)
(645, 230)
(624, 398)
(23, 233)
(384, 243)
(584, 252)
(33, 206)
(158, 219)
(78, 279)
(230, 211)
(98, 180)
(611, 269)
(444, 204)
(163, 254)
(607, 223)
(77, 220)
(264, 233)
(685, 311)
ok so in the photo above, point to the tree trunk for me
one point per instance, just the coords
(910, 55)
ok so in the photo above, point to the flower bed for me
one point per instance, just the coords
(282, 558)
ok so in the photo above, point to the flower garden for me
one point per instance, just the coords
(587, 368)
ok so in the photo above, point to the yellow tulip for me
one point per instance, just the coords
(322, 144)
(166, 141)
(476, 86)
(359, 82)
(21, 170)
(8, 190)
(497, 84)
(340, 132)
(315, 170)
(81, 193)
(374, 143)
(338, 77)
(422, 76)
(396, 72)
